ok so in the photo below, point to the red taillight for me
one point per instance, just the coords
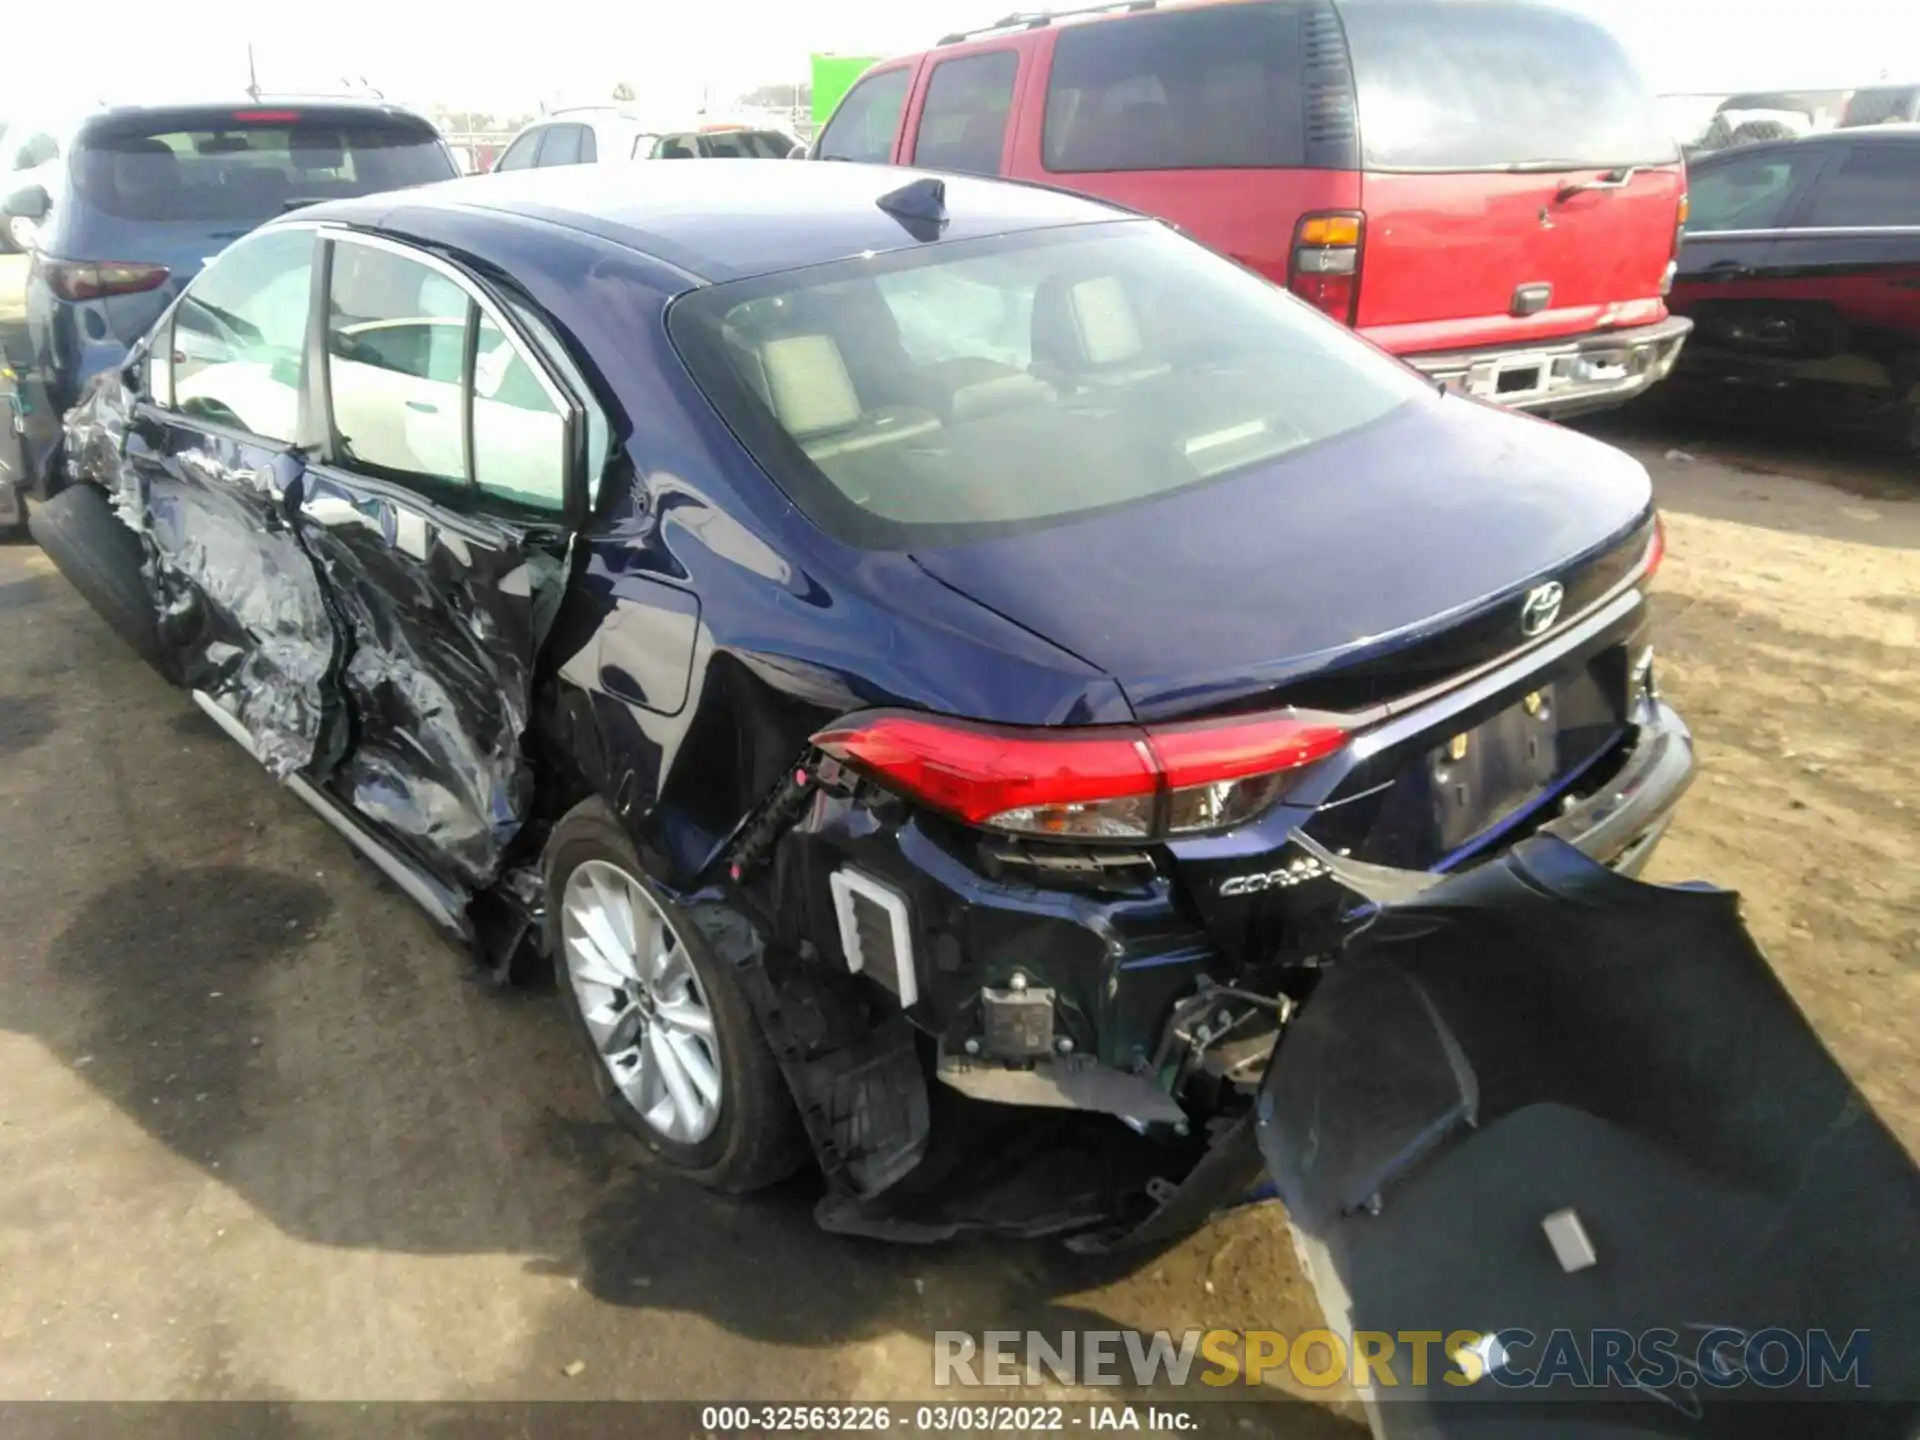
(1324, 268)
(77, 280)
(1656, 547)
(1113, 782)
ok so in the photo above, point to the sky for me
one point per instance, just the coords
(675, 53)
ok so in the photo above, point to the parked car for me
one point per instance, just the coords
(30, 151)
(882, 642)
(143, 196)
(1485, 190)
(593, 134)
(1798, 270)
(1882, 105)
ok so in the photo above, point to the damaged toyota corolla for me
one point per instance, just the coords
(893, 642)
(961, 682)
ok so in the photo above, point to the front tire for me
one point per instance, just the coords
(103, 559)
(675, 1050)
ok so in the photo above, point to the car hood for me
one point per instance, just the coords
(1406, 530)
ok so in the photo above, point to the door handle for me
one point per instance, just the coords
(1728, 270)
(423, 407)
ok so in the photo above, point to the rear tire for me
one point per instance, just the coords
(103, 560)
(674, 996)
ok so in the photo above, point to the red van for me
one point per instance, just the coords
(1483, 187)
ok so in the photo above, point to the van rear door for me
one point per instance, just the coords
(1519, 182)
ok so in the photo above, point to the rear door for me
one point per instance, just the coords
(438, 512)
(961, 122)
(1731, 281)
(1520, 182)
(211, 452)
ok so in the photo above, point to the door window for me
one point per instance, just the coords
(963, 125)
(396, 353)
(864, 125)
(239, 336)
(1749, 192)
(563, 146)
(520, 153)
(1878, 185)
(519, 434)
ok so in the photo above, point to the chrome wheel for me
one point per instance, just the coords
(642, 1001)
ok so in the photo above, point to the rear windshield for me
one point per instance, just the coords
(958, 391)
(1217, 88)
(1494, 85)
(748, 145)
(241, 167)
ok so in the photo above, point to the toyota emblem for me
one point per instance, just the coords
(1541, 608)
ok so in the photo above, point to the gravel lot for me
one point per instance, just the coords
(260, 1137)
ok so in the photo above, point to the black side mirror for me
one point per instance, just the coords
(30, 203)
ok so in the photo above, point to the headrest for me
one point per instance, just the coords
(808, 385)
(1084, 324)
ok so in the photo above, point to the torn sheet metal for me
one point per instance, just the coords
(439, 617)
(240, 606)
(1539, 1038)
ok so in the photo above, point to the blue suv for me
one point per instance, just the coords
(146, 195)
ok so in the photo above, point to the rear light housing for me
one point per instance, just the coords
(1656, 549)
(1324, 266)
(90, 280)
(1679, 233)
(1119, 782)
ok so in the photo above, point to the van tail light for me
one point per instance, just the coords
(1656, 550)
(1325, 266)
(77, 280)
(1088, 783)
(1679, 233)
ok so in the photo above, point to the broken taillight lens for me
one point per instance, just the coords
(78, 280)
(1096, 782)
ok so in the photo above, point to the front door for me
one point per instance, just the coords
(436, 512)
(210, 460)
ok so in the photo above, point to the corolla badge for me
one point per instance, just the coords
(1541, 608)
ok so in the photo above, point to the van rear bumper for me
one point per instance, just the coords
(1563, 377)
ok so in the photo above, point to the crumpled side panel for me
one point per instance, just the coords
(439, 707)
(96, 432)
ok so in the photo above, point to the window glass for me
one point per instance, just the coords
(643, 146)
(520, 153)
(1490, 85)
(748, 145)
(519, 435)
(157, 382)
(1748, 192)
(677, 147)
(864, 125)
(239, 336)
(1212, 88)
(963, 125)
(396, 350)
(247, 170)
(589, 147)
(1878, 184)
(928, 397)
(562, 147)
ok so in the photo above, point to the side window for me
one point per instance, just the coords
(239, 336)
(589, 147)
(396, 353)
(643, 146)
(156, 379)
(1877, 185)
(562, 147)
(1749, 193)
(519, 433)
(678, 147)
(863, 127)
(963, 125)
(520, 154)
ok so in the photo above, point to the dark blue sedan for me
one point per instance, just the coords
(907, 653)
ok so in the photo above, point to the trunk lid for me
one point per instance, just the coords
(1356, 570)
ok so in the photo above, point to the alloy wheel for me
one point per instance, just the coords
(644, 1006)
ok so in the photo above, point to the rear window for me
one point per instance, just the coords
(1876, 185)
(242, 167)
(748, 145)
(1217, 88)
(1496, 85)
(945, 394)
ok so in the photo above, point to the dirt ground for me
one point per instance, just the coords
(260, 1137)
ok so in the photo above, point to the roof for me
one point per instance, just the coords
(728, 220)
